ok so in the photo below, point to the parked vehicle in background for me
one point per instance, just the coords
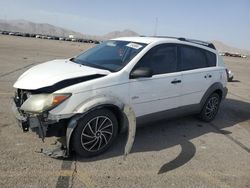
(229, 54)
(5, 32)
(32, 35)
(18, 34)
(230, 75)
(88, 99)
(25, 34)
(50, 37)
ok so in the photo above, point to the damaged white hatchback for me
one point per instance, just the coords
(89, 99)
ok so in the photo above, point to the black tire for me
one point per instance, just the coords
(210, 108)
(230, 79)
(90, 140)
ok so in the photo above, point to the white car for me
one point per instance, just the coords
(118, 85)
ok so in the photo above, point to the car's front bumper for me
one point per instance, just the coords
(43, 127)
(39, 124)
(28, 121)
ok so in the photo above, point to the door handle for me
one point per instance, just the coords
(208, 76)
(175, 81)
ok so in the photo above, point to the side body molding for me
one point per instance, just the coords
(98, 102)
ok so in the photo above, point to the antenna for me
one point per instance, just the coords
(156, 26)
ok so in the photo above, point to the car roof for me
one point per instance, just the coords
(146, 40)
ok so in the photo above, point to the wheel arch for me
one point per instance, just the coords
(214, 88)
(111, 103)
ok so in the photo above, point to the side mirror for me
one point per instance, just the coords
(141, 72)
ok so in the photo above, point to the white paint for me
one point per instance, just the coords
(141, 96)
(144, 95)
(49, 73)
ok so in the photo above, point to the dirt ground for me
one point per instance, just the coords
(183, 152)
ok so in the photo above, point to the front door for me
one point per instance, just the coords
(161, 91)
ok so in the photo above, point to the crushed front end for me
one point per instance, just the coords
(38, 120)
(32, 111)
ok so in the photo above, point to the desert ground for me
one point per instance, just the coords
(183, 152)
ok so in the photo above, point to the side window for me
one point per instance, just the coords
(211, 59)
(192, 58)
(161, 59)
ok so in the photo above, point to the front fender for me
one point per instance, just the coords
(96, 101)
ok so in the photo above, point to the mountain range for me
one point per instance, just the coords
(48, 29)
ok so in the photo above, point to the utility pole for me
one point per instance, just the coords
(156, 26)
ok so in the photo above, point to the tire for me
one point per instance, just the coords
(230, 79)
(210, 108)
(90, 140)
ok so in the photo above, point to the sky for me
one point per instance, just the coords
(224, 20)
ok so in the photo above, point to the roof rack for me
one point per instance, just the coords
(203, 43)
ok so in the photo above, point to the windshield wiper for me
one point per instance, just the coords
(78, 61)
(73, 59)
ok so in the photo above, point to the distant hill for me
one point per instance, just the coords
(221, 47)
(116, 34)
(48, 29)
(37, 28)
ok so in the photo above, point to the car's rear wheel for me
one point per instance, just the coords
(95, 133)
(210, 108)
(230, 79)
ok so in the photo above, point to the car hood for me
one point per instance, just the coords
(52, 72)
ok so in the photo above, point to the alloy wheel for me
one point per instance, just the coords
(211, 107)
(97, 133)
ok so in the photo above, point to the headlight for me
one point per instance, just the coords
(41, 102)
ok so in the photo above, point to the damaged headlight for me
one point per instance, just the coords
(41, 102)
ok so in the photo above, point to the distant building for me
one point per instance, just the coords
(71, 36)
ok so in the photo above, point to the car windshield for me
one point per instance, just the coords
(111, 55)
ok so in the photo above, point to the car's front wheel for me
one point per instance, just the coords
(95, 133)
(210, 108)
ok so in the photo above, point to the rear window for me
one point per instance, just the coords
(211, 59)
(195, 58)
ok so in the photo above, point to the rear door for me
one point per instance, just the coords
(198, 73)
(161, 91)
